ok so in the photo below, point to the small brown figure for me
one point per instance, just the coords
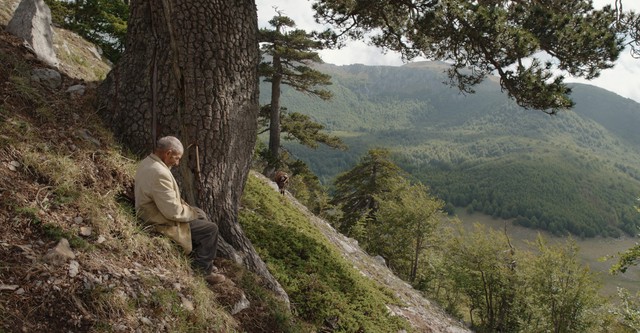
(282, 179)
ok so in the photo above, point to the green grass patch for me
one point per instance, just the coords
(30, 213)
(275, 314)
(323, 288)
(57, 233)
(26, 91)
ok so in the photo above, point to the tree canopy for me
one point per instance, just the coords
(628, 258)
(291, 53)
(506, 289)
(405, 229)
(629, 24)
(522, 42)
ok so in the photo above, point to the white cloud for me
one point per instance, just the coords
(622, 79)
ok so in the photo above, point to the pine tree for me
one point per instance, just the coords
(511, 39)
(356, 190)
(190, 70)
(289, 54)
(629, 24)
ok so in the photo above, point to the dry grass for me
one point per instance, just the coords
(61, 173)
(6, 10)
(79, 58)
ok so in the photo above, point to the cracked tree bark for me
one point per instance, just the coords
(190, 70)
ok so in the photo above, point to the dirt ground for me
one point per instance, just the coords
(36, 296)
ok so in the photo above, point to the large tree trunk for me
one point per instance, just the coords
(190, 70)
(274, 122)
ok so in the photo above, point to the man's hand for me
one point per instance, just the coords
(201, 213)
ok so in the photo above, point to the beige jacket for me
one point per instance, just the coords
(158, 201)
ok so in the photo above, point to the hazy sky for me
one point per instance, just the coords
(623, 79)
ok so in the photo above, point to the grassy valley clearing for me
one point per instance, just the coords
(592, 250)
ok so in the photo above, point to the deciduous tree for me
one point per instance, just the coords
(561, 294)
(628, 309)
(628, 258)
(504, 290)
(405, 228)
(483, 265)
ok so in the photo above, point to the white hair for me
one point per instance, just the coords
(170, 143)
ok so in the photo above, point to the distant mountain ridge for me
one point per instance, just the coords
(577, 172)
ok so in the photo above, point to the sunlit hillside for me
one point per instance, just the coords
(573, 173)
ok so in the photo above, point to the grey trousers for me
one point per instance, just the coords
(204, 238)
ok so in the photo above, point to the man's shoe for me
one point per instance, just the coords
(214, 278)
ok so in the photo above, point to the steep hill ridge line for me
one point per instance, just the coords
(422, 314)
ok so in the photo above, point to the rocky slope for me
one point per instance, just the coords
(59, 173)
(424, 315)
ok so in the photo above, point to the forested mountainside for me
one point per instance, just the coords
(576, 172)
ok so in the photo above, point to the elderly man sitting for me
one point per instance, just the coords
(158, 203)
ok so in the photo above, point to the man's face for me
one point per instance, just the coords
(171, 158)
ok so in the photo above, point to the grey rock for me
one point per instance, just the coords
(86, 231)
(101, 239)
(31, 21)
(242, 304)
(60, 254)
(74, 268)
(96, 51)
(84, 134)
(13, 165)
(187, 304)
(380, 260)
(120, 328)
(76, 90)
(347, 247)
(50, 77)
